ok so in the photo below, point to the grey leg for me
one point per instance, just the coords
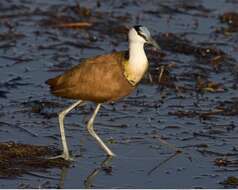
(62, 114)
(92, 132)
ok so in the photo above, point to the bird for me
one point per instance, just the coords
(103, 79)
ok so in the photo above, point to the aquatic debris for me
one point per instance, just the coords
(225, 162)
(18, 159)
(231, 182)
(229, 108)
(208, 86)
(74, 16)
(41, 108)
(162, 76)
(10, 36)
(174, 43)
(75, 25)
(230, 18)
(201, 114)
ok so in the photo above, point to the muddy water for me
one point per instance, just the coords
(194, 106)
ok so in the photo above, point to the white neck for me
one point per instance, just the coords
(138, 62)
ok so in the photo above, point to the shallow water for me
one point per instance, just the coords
(33, 50)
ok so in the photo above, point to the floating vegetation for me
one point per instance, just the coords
(18, 159)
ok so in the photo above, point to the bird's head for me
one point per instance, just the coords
(141, 34)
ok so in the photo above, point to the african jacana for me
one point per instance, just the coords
(101, 79)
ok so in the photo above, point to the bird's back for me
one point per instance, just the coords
(99, 79)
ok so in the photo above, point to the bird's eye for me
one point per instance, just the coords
(142, 35)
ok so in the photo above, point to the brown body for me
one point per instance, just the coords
(99, 79)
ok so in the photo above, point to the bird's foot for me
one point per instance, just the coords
(66, 157)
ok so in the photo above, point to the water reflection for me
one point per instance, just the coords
(63, 175)
(88, 182)
(105, 165)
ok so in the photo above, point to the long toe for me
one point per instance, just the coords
(111, 154)
(63, 156)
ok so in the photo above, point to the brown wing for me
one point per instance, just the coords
(98, 79)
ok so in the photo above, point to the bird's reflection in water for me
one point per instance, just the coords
(88, 182)
(63, 174)
(105, 165)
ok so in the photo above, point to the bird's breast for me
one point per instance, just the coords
(135, 72)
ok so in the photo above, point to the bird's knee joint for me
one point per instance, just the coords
(90, 124)
(90, 128)
(61, 114)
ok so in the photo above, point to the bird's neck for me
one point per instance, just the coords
(137, 63)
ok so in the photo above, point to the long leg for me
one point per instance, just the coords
(92, 132)
(62, 114)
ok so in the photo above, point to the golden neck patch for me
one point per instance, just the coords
(127, 73)
(130, 75)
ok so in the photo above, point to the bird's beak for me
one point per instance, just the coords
(154, 43)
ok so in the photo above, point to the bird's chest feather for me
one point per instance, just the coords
(135, 71)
